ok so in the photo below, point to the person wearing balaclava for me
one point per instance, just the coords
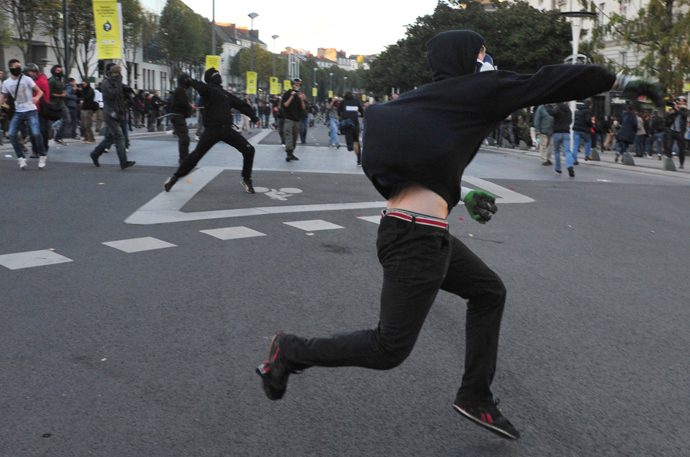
(180, 110)
(419, 170)
(218, 126)
(58, 94)
(114, 112)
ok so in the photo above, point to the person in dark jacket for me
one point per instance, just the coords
(626, 135)
(180, 109)
(654, 125)
(583, 130)
(114, 112)
(294, 104)
(416, 149)
(601, 129)
(562, 117)
(218, 126)
(349, 111)
(88, 109)
(676, 119)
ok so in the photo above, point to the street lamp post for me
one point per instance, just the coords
(251, 40)
(344, 84)
(287, 63)
(330, 82)
(213, 28)
(274, 53)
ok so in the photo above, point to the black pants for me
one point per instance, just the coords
(113, 135)
(417, 261)
(678, 137)
(352, 136)
(182, 131)
(212, 135)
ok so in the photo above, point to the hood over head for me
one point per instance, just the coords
(208, 74)
(55, 67)
(454, 53)
(183, 79)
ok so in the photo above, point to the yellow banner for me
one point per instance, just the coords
(314, 92)
(287, 85)
(280, 88)
(251, 82)
(330, 94)
(274, 86)
(213, 61)
(364, 97)
(686, 87)
(107, 24)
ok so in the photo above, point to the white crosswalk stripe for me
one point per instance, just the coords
(313, 225)
(32, 259)
(233, 233)
(139, 244)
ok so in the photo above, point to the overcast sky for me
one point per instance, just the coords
(354, 26)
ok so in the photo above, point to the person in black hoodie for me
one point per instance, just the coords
(218, 126)
(349, 110)
(180, 109)
(419, 170)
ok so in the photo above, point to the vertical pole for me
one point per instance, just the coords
(213, 30)
(251, 47)
(65, 16)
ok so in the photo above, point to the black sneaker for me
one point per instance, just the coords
(128, 164)
(169, 183)
(491, 418)
(274, 376)
(247, 184)
(571, 172)
(94, 159)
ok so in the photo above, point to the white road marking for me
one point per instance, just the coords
(374, 219)
(32, 259)
(232, 233)
(166, 206)
(313, 226)
(139, 244)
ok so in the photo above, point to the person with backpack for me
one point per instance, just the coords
(25, 95)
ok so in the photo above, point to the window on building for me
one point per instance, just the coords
(602, 12)
(624, 59)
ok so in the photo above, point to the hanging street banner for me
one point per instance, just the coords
(213, 61)
(251, 82)
(108, 29)
(330, 94)
(314, 92)
(280, 88)
(686, 87)
(287, 85)
(364, 97)
(275, 90)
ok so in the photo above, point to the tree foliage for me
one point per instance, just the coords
(660, 31)
(5, 36)
(26, 17)
(519, 38)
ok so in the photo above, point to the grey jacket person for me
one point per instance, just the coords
(113, 97)
(543, 122)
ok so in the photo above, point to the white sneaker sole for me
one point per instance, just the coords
(489, 427)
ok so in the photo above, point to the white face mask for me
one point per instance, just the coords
(484, 66)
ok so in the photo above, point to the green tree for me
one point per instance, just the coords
(5, 36)
(263, 65)
(25, 14)
(132, 22)
(519, 38)
(660, 31)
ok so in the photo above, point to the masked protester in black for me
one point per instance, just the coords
(180, 109)
(218, 126)
(419, 171)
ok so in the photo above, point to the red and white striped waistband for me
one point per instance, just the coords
(416, 218)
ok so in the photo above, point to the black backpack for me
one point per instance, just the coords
(8, 109)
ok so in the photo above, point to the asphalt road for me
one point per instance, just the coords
(152, 353)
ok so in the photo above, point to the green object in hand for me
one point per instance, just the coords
(481, 205)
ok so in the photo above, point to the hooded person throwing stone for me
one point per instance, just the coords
(419, 170)
(218, 126)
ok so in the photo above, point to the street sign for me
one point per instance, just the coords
(251, 82)
(275, 86)
(107, 22)
(314, 91)
(213, 62)
(330, 94)
(286, 84)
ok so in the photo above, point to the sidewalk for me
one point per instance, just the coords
(642, 164)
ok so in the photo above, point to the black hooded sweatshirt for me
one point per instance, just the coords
(180, 101)
(430, 135)
(218, 103)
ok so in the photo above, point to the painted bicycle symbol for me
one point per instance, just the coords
(278, 194)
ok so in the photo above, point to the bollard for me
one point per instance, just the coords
(523, 146)
(627, 159)
(594, 155)
(668, 164)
